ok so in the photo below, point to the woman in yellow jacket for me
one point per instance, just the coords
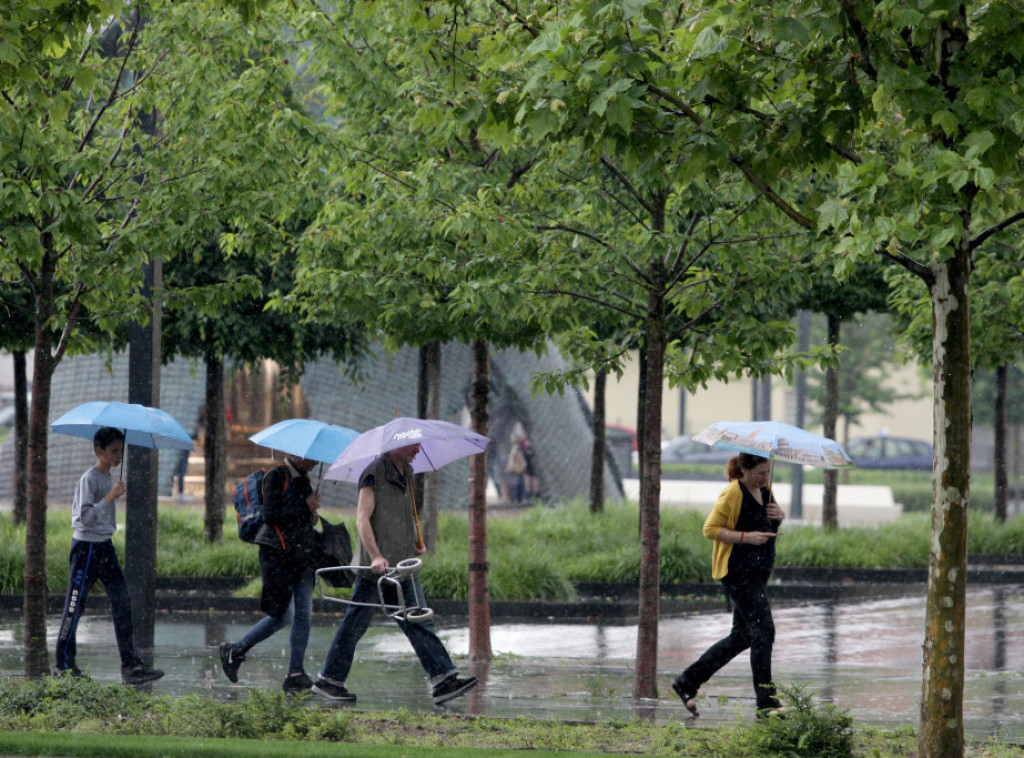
(743, 525)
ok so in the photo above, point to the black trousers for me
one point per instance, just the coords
(91, 561)
(753, 628)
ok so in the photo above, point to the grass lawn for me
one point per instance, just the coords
(67, 717)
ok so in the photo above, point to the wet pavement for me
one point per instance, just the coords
(864, 657)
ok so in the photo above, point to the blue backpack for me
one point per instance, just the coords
(248, 500)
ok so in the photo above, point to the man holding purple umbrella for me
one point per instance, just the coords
(388, 531)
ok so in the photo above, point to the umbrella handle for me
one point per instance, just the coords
(420, 545)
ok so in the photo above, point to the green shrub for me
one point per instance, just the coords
(182, 550)
(516, 573)
(536, 554)
(903, 544)
(988, 536)
(806, 731)
(915, 497)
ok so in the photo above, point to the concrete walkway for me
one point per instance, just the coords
(864, 657)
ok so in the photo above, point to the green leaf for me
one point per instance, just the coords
(946, 120)
(979, 142)
(790, 29)
(706, 43)
(620, 113)
(550, 41)
(941, 237)
(599, 103)
(541, 122)
(831, 214)
(958, 178)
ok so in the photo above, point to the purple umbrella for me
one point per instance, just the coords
(440, 443)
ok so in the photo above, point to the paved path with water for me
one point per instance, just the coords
(864, 657)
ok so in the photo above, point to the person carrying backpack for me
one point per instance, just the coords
(288, 559)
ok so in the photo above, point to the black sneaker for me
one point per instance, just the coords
(333, 691)
(230, 661)
(297, 682)
(452, 687)
(140, 674)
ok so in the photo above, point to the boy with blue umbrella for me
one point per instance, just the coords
(94, 519)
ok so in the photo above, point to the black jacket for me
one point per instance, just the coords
(288, 522)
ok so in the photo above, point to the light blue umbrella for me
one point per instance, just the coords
(142, 425)
(306, 438)
(776, 440)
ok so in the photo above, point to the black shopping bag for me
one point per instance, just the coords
(335, 550)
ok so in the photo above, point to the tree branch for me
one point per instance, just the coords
(864, 59)
(918, 269)
(607, 163)
(995, 229)
(518, 171)
(762, 186)
(514, 14)
(65, 336)
(114, 85)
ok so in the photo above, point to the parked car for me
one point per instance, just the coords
(685, 449)
(619, 432)
(621, 441)
(890, 453)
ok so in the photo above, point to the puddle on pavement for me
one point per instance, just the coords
(863, 657)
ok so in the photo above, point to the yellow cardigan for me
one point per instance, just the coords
(725, 513)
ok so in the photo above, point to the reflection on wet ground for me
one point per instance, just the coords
(863, 657)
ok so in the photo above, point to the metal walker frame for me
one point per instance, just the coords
(393, 576)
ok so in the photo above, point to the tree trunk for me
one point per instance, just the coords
(20, 506)
(645, 683)
(645, 679)
(37, 662)
(829, 509)
(142, 469)
(999, 459)
(641, 404)
(600, 448)
(214, 448)
(479, 592)
(942, 730)
(429, 406)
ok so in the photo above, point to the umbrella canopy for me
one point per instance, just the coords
(776, 440)
(440, 443)
(306, 438)
(142, 425)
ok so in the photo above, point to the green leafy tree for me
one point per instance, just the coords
(66, 143)
(102, 161)
(411, 236)
(231, 249)
(499, 221)
(910, 108)
(997, 342)
(216, 311)
(847, 382)
(866, 359)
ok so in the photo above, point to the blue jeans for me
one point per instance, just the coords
(425, 642)
(299, 615)
(753, 628)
